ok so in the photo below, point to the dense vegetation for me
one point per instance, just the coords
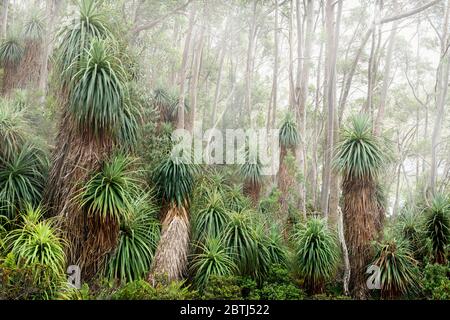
(88, 177)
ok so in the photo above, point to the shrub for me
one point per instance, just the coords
(437, 227)
(240, 239)
(142, 290)
(316, 253)
(222, 288)
(399, 273)
(137, 242)
(210, 217)
(279, 285)
(437, 282)
(213, 259)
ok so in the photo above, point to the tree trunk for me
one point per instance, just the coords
(275, 68)
(170, 261)
(333, 215)
(223, 50)
(330, 101)
(360, 214)
(197, 64)
(386, 79)
(250, 62)
(183, 71)
(302, 100)
(441, 94)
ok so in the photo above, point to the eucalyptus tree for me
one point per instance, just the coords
(360, 158)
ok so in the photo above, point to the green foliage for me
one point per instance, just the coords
(222, 288)
(13, 130)
(251, 171)
(11, 51)
(240, 239)
(437, 227)
(18, 281)
(270, 206)
(289, 136)
(316, 253)
(276, 248)
(99, 92)
(137, 242)
(279, 285)
(37, 251)
(22, 179)
(437, 282)
(210, 218)
(34, 28)
(110, 192)
(166, 101)
(175, 180)
(213, 259)
(235, 199)
(142, 290)
(409, 228)
(399, 272)
(360, 154)
(90, 23)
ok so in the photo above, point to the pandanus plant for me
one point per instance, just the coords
(437, 227)
(175, 181)
(289, 139)
(360, 157)
(11, 54)
(251, 172)
(316, 253)
(398, 268)
(23, 165)
(30, 66)
(96, 118)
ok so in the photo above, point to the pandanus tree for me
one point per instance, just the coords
(23, 165)
(316, 253)
(175, 181)
(11, 54)
(96, 117)
(289, 139)
(437, 227)
(359, 158)
(251, 172)
(30, 65)
(166, 103)
(398, 268)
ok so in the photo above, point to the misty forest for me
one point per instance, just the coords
(95, 206)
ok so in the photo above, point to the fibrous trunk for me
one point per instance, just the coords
(76, 156)
(30, 66)
(285, 184)
(252, 190)
(360, 227)
(170, 259)
(10, 79)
